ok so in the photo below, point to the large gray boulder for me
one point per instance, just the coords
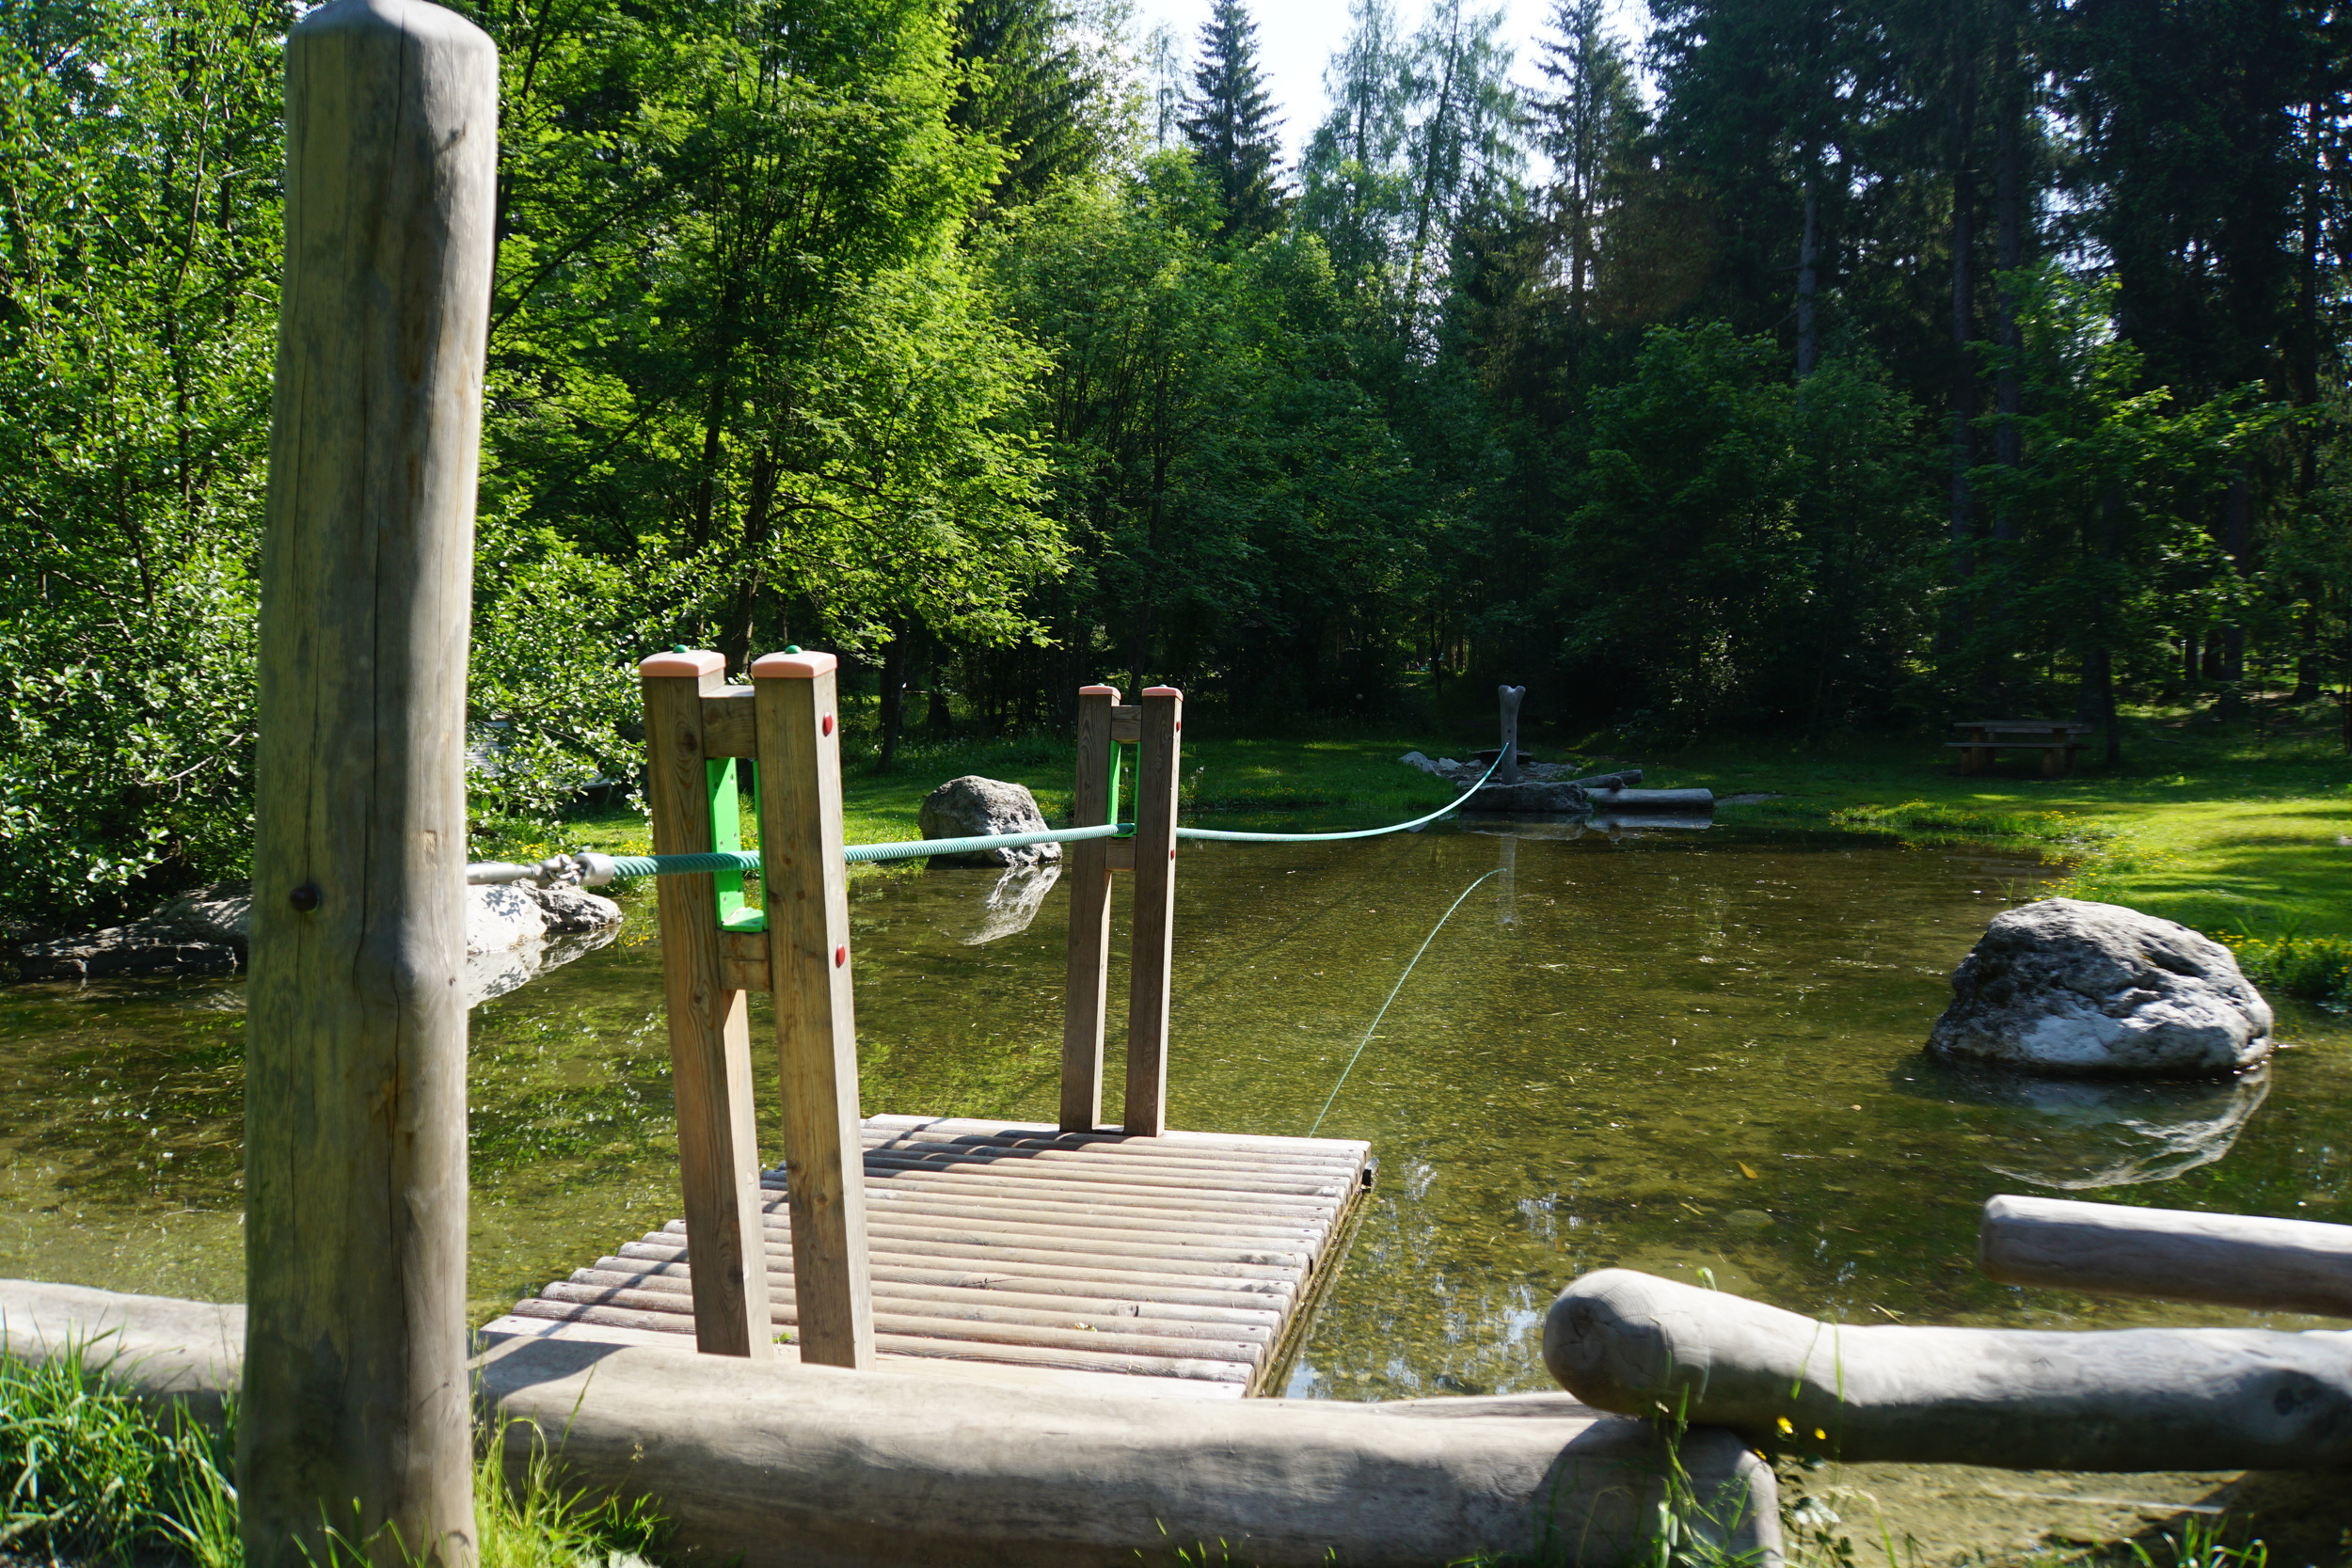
(974, 807)
(2094, 990)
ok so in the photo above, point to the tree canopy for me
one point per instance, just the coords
(1785, 366)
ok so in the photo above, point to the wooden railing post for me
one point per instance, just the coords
(355, 1416)
(1163, 723)
(1088, 987)
(807, 889)
(711, 1041)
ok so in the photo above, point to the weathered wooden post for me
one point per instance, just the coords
(710, 1039)
(806, 885)
(1150, 946)
(1088, 984)
(356, 1415)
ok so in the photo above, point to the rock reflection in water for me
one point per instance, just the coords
(2076, 1135)
(490, 975)
(1013, 900)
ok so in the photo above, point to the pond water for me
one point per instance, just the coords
(1674, 1050)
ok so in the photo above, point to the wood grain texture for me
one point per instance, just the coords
(730, 723)
(356, 1385)
(1151, 945)
(999, 1251)
(744, 960)
(711, 1044)
(672, 1276)
(806, 885)
(1031, 1269)
(1087, 984)
(2272, 1265)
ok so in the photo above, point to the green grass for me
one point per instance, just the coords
(89, 1473)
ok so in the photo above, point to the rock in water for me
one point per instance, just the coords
(500, 917)
(2099, 991)
(974, 807)
(571, 912)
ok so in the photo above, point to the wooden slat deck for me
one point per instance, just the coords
(1182, 1264)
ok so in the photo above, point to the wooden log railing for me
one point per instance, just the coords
(795, 943)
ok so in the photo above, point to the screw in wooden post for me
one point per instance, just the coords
(710, 1036)
(357, 1416)
(807, 887)
(1087, 986)
(1151, 946)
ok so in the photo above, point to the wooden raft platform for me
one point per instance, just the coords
(1184, 1265)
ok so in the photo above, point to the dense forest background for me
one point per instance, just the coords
(1802, 366)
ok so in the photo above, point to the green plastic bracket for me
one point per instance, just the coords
(726, 833)
(1119, 768)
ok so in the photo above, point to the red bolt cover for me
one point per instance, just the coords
(840, 957)
(829, 723)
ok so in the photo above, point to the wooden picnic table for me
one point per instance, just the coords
(2055, 739)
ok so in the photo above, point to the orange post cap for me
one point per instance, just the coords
(793, 667)
(684, 661)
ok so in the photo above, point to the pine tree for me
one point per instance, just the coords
(1228, 122)
(1586, 121)
(1031, 86)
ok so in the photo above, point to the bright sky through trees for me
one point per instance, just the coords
(1296, 39)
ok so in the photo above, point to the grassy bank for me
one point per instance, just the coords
(89, 1474)
(2245, 836)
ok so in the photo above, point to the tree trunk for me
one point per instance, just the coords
(2237, 539)
(1808, 282)
(2306, 655)
(894, 692)
(1963, 390)
(938, 717)
(2008, 206)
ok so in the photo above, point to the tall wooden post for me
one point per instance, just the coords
(710, 1039)
(1088, 878)
(356, 1415)
(1508, 772)
(1163, 723)
(808, 885)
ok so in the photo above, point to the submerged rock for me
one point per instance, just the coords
(975, 807)
(2088, 990)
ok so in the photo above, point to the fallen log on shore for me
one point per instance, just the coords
(1652, 799)
(2194, 1399)
(779, 1465)
(2270, 1265)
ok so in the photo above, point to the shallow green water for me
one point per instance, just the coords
(1676, 1052)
